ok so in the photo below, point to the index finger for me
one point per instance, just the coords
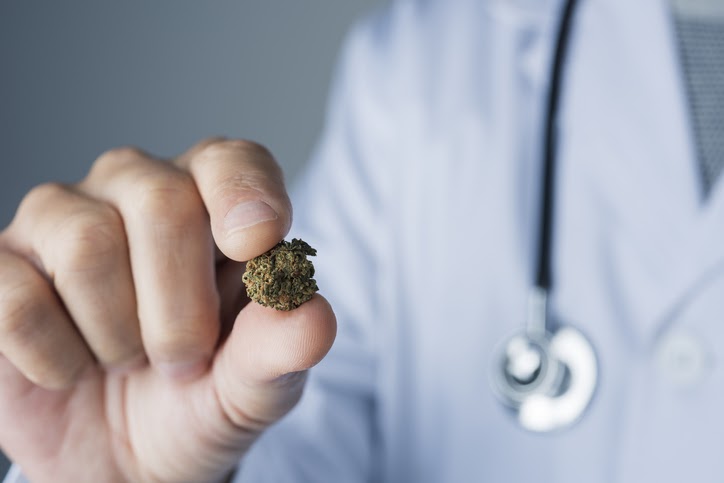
(243, 189)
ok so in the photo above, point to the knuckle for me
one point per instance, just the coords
(209, 141)
(254, 184)
(127, 359)
(113, 161)
(27, 313)
(248, 148)
(173, 346)
(41, 195)
(187, 339)
(89, 239)
(242, 417)
(168, 195)
(118, 157)
(253, 413)
(54, 378)
(247, 152)
(20, 311)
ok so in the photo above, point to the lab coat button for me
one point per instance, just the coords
(682, 359)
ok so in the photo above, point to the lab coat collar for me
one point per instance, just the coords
(627, 101)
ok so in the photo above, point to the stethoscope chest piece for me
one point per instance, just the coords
(547, 379)
(547, 374)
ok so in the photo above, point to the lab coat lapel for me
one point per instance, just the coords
(629, 137)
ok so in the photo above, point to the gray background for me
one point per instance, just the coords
(79, 77)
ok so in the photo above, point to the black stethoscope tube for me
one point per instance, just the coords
(543, 278)
(547, 375)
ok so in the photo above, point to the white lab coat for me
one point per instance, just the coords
(422, 201)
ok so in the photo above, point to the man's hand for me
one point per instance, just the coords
(128, 348)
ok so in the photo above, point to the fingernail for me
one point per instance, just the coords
(182, 371)
(248, 213)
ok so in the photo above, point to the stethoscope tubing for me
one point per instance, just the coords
(547, 375)
(543, 277)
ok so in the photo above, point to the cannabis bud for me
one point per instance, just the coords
(282, 277)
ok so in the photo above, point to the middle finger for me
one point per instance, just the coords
(172, 257)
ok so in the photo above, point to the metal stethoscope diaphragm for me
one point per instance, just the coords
(547, 374)
(546, 377)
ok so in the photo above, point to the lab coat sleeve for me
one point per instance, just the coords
(15, 475)
(330, 435)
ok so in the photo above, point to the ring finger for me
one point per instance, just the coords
(80, 244)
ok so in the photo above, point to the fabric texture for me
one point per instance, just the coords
(701, 45)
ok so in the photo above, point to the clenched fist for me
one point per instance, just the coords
(128, 348)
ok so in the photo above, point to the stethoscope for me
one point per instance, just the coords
(547, 374)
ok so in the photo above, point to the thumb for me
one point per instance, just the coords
(243, 189)
(259, 373)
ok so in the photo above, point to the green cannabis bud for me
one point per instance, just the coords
(282, 277)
